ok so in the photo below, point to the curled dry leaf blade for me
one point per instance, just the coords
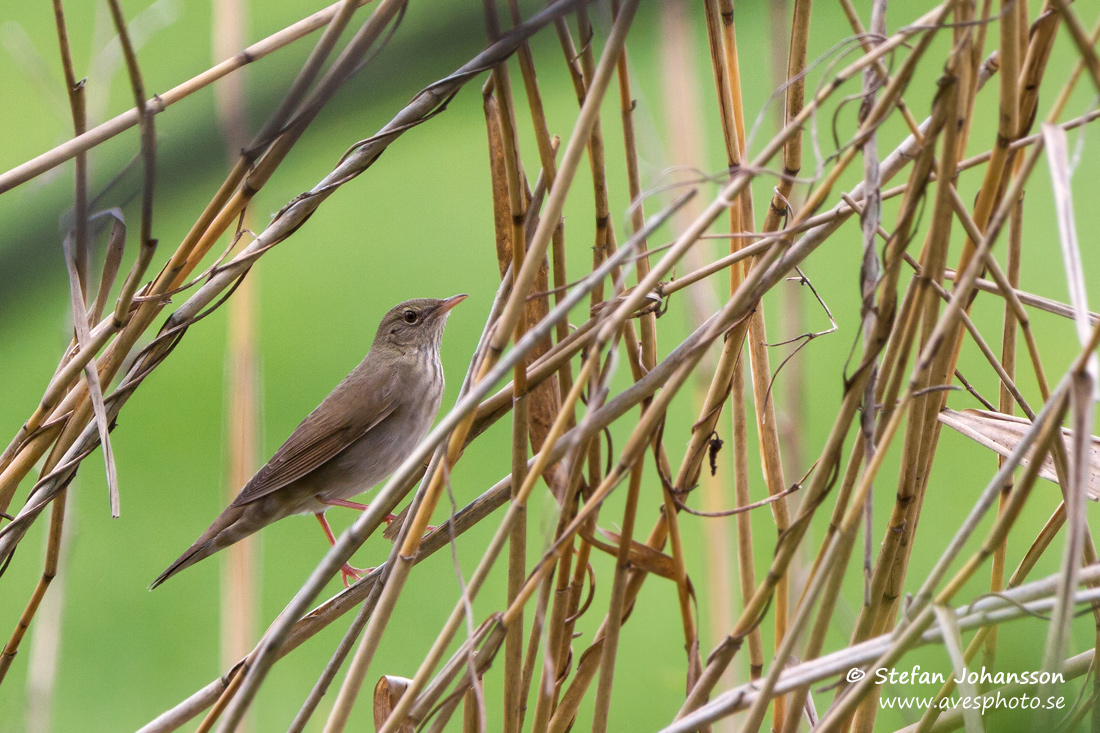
(386, 694)
(116, 244)
(1002, 433)
(642, 556)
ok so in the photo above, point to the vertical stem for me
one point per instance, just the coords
(240, 568)
(615, 607)
(45, 644)
(76, 96)
(1007, 405)
(53, 544)
(517, 554)
(870, 271)
(471, 713)
(724, 62)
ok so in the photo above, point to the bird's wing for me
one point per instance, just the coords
(354, 407)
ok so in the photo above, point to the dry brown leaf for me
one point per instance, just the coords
(386, 694)
(1002, 433)
(642, 557)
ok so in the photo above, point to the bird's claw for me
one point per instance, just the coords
(354, 574)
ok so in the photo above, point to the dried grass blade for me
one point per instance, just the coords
(116, 243)
(124, 121)
(386, 694)
(642, 556)
(952, 639)
(91, 373)
(1058, 159)
(1002, 433)
(1082, 396)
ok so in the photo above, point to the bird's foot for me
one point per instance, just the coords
(351, 574)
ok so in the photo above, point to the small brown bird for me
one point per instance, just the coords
(355, 438)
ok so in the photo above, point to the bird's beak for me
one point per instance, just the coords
(451, 302)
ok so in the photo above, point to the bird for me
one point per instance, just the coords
(354, 439)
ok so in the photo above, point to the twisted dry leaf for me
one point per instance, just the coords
(1002, 433)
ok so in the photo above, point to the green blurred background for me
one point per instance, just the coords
(418, 223)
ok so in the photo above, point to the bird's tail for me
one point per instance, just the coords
(230, 526)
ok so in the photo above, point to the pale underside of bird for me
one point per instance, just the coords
(353, 440)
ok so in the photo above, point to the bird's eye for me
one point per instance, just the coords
(410, 316)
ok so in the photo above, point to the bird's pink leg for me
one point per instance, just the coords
(362, 508)
(347, 571)
(354, 505)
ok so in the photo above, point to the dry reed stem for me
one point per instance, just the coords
(1010, 33)
(513, 208)
(1009, 340)
(1081, 399)
(840, 533)
(645, 361)
(870, 271)
(548, 403)
(731, 365)
(845, 705)
(105, 131)
(659, 533)
(43, 667)
(547, 399)
(77, 262)
(601, 714)
(766, 423)
(932, 259)
(1005, 403)
(240, 577)
(1039, 545)
(604, 245)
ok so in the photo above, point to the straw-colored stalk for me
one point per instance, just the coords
(240, 572)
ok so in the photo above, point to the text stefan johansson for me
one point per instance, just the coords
(915, 676)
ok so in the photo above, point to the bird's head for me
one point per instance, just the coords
(416, 324)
